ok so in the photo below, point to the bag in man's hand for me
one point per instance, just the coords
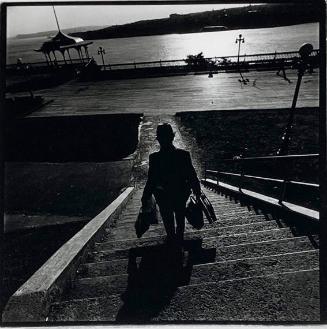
(147, 215)
(193, 213)
(149, 209)
(208, 208)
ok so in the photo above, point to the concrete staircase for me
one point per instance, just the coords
(244, 267)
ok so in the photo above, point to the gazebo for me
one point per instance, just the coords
(63, 43)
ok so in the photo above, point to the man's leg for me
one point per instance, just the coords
(180, 224)
(167, 216)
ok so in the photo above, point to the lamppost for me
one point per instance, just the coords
(302, 65)
(101, 52)
(239, 40)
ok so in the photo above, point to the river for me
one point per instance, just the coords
(178, 46)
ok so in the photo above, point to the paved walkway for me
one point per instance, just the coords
(148, 144)
(168, 95)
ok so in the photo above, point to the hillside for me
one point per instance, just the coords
(259, 16)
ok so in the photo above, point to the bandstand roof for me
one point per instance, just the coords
(62, 41)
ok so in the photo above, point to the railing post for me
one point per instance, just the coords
(283, 191)
(205, 170)
(287, 173)
(240, 186)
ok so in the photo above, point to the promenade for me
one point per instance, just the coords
(168, 95)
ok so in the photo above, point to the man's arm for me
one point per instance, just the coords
(148, 189)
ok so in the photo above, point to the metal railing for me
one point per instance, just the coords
(282, 58)
(221, 62)
(40, 65)
(284, 181)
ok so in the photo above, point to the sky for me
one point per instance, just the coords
(32, 19)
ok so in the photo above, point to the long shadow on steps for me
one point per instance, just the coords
(155, 273)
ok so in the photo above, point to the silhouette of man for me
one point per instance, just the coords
(170, 179)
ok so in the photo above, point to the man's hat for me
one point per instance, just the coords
(165, 130)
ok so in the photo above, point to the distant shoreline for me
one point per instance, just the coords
(250, 17)
(53, 32)
(33, 36)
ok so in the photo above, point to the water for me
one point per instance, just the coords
(178, 46)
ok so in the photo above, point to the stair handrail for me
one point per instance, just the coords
(284, 181)
(274, 157)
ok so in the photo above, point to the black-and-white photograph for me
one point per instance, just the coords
(161, 162)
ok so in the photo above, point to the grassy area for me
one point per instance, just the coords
(219, 135)
(76, 189)
(225, 134)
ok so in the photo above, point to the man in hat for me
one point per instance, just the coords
(170, 179)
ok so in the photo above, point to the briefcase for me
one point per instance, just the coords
(193, 213)
(150, 211)
(141, 225)
(148, 215)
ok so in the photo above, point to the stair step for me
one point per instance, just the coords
(226, 221)
(219, 206)
(249, 267)
(125, 244)
(120, 249)
(222, 205)
(106, 285)
(129, 231)
(98, 286)
(230, 208)
(201, 255)
(131, 215)
(290, 296)
(112, 267)
(121, 234)
(266, 248)
(241, 238)
(88, 309)
(287, 297)
(224, 208)
(237, 220)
